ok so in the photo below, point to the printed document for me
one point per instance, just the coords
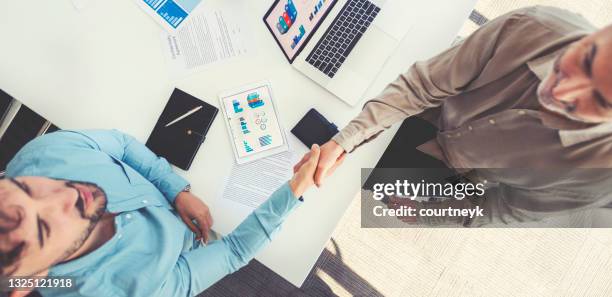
(213, 35)
(252, 183)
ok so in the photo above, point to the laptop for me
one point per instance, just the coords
(340, 44)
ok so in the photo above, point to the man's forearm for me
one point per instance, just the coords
(410, 94)
(429, 83)
(205, 266)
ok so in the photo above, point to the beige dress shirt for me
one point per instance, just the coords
(482, 95)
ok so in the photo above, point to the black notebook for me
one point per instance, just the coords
(180, 141)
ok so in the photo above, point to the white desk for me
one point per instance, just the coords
(103, 67)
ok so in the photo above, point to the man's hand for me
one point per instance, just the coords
(332, 155)
(190, 208)
(303, 178)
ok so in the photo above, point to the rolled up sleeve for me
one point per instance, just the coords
(207, 265)
(428, 83)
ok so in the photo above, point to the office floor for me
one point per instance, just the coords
(450, 262)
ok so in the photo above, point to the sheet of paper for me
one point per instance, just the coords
(170, 14)
(213, 35)
(251, 184)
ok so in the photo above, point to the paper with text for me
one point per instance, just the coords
(211, 36)
(252, 183)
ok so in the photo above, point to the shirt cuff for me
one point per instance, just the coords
(293, 201)
(172, 185)
(348, 138)
(283, 201)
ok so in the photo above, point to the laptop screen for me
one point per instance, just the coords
(292, 22)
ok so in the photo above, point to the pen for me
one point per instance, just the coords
(185, 115)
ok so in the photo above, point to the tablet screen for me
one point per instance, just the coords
(292, 22)
(252, 121)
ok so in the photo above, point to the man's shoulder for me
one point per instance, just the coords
(556, 19)
(72, 138)
(59, 143)
(61, 138)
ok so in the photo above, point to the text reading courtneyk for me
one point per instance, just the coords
(424, 190)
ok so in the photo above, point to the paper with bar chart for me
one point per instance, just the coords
(170, 14)
(253, 123)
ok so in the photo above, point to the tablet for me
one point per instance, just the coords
(252, 122)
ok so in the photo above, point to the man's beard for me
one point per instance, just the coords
(93, 220)
(98, 192)
(77, 244)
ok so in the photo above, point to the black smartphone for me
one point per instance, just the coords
(314, 128)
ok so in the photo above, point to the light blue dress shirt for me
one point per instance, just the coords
(152, 253)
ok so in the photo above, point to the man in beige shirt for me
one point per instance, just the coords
(530, 89)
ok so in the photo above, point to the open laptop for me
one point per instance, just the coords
(340, 44)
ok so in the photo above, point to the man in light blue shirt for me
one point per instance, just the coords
(101, 208)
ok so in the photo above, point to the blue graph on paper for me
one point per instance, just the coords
(174, 12)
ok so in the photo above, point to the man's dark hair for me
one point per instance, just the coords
(10, 219)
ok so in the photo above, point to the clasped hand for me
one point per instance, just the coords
(330, 157)
(317, 164)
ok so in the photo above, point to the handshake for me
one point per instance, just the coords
(312, 169)
(315, 166)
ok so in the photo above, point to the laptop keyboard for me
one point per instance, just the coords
(342, 36)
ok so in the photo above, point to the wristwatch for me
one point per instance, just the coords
(187, 189)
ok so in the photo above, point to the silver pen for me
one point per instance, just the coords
(185, 115)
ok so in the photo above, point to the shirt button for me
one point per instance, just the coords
(470, 128)
(521, 112)
(145, 201)
(458, 134)
(448, 136)
(492, 122)
(128, 216)
(119, 236)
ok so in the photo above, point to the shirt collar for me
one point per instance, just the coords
(571, 137)
(540, 67)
